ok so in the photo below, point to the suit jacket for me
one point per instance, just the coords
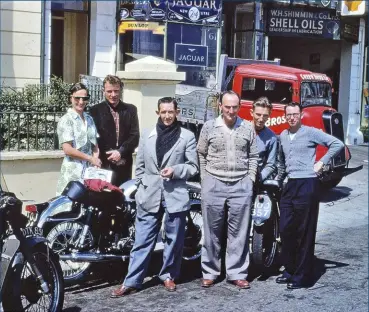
(182, 157)
(129, 133)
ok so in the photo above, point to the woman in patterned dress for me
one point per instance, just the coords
(77, 135)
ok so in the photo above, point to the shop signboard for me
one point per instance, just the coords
(288, 22)
(191, 55)
(156, 28)
(143, 10)
(206, 12)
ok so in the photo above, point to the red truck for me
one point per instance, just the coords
(252, 79)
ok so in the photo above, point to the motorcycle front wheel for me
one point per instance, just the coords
(265, 244)
(22, 290)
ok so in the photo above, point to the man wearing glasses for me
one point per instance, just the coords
(117, 126)
(299, 204)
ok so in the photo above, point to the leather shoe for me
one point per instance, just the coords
(123, 291)
(169, 285)
(207, 283)
(294, 285)
(282, 280)
(243, 284)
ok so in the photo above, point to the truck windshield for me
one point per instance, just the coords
(316, 93)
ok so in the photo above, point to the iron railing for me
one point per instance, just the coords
(29, 131)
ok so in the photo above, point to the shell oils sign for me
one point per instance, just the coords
(142, 26)
(349, 8)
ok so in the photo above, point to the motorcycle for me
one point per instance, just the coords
(265, 238)
(30, 277)
(86, 228)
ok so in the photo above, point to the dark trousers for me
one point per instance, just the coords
(299, 209)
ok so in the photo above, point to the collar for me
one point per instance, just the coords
(220, 123)
(153, 133)
(74, 114)
(116, 108)
(289, 130)
(259, 131)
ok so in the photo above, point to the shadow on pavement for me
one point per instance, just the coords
(89, 286)
(334, 194)
(322, 265)
(72, 309)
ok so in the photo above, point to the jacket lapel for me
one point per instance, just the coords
(152, 146)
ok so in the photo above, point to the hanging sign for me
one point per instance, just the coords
(143, 26)
(195, 11)
(191, 55)
(302, 23)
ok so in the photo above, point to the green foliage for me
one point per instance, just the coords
(29, 116)
(38, 98)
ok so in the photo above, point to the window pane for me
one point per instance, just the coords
(76, 5)
(275, 91)
(138, 43)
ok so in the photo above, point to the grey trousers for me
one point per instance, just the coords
(217, 196)
(147, 229)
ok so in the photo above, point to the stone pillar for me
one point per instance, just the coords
(351, 88)
(145, 81)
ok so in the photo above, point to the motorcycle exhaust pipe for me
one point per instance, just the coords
(92, 257)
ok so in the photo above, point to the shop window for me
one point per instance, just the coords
(140, 39)
(69, 39)
(275, 91)
(244, 31)
(200, 76)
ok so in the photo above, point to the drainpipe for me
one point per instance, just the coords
(42, 47)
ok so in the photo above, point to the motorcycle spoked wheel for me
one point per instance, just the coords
(194, 235)
(265, 244)
(62, 239)
(23, 292)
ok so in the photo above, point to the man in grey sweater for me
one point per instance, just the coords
(228, 158)
(265, 138)
(299, 204)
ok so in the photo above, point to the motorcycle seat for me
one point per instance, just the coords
(78, 192)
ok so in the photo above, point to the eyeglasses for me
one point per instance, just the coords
(83, 98)
(292, 115)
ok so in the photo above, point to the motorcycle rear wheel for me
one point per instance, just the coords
(61, 241)
(23, 292)
(194, 235)
(265, 244)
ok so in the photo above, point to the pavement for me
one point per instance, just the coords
(341, 269)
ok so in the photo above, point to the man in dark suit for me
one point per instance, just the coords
(117, 125)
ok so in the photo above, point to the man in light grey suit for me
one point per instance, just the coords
(166, 158)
